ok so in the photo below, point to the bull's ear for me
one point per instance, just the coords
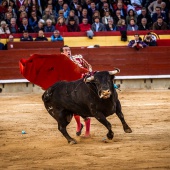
(114, 71)
(88, 79)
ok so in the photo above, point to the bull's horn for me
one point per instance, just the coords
(89, 79)
(114, 71)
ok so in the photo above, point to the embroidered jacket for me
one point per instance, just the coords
(81, 62)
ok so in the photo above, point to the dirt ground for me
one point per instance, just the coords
(147, 112)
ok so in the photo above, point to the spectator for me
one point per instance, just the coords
(33, 8)
(33, 20)
(72, 26)
(2, 46)
(4, 29)
(136, 5)
(110, 26)
(23, 14)
(121, 25)
(157, 14)
(3, 7)
(160, 24)
(49, 27)
(131, 15)
(85, 26)
(52, 12)
(85, 15)
(97, 25)
(21, 9)
(122, 8)
(132, 26)
(24, 26)
(13, 27)
(118, 16)
(137, 43)
(73, 5)
(48, 16)
(12, 11)
(144, 14)
(13, 5)
(143, 25)
(165, 10)
(60, 13)
(96, 14)
(11, 38)
(59, 5)
(26, 37)
(72, 15)
(41, 36)
(60, 25)
(56, 36)
(92, 9)
(19, 3)
(40, 26)
(149, 40)
(105, 8)
(66, 10)
(86, 4)
(106, 17)
(153, 6)
(8, 17)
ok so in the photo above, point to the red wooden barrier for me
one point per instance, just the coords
(148, 61)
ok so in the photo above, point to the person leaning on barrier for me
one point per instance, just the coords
(56, 36)
(149, 40)
(41, 36)
(25, 36)
(137, 43)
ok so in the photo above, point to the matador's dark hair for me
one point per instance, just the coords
(61, 49)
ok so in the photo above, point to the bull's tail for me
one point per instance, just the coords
(47, 94)
(0, 90)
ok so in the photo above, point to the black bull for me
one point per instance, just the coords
(93, 96)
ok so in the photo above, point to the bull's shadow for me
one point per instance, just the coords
(92, 96)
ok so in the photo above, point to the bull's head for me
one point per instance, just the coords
(104, 82)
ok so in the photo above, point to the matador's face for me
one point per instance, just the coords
(67, 51)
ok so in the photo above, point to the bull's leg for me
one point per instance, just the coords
(102, 119)
(119, 113)
(63, 121)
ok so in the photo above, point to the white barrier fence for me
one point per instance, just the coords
(126, 82)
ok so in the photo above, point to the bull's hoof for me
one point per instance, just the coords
(72, 142)
(128, 130)
(110, 136)
(79, 132)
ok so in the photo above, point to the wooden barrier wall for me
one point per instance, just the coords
(148, 61)
(34, 45)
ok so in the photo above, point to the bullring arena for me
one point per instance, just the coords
(145, 103)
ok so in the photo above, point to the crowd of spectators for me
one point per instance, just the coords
(18, 16)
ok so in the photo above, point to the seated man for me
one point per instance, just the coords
(41, 36)
(137, 43)
(56, 36)
(26, 36)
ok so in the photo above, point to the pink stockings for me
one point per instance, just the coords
(80, 126)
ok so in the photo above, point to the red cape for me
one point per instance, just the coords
(45, 70)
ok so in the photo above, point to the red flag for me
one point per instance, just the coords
(45, 70)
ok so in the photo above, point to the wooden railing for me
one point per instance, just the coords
(34, 45)
(147, 61)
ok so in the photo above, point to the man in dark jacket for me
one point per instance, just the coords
(41, 36)
(26, 36)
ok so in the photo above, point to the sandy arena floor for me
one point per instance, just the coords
(147, 112)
